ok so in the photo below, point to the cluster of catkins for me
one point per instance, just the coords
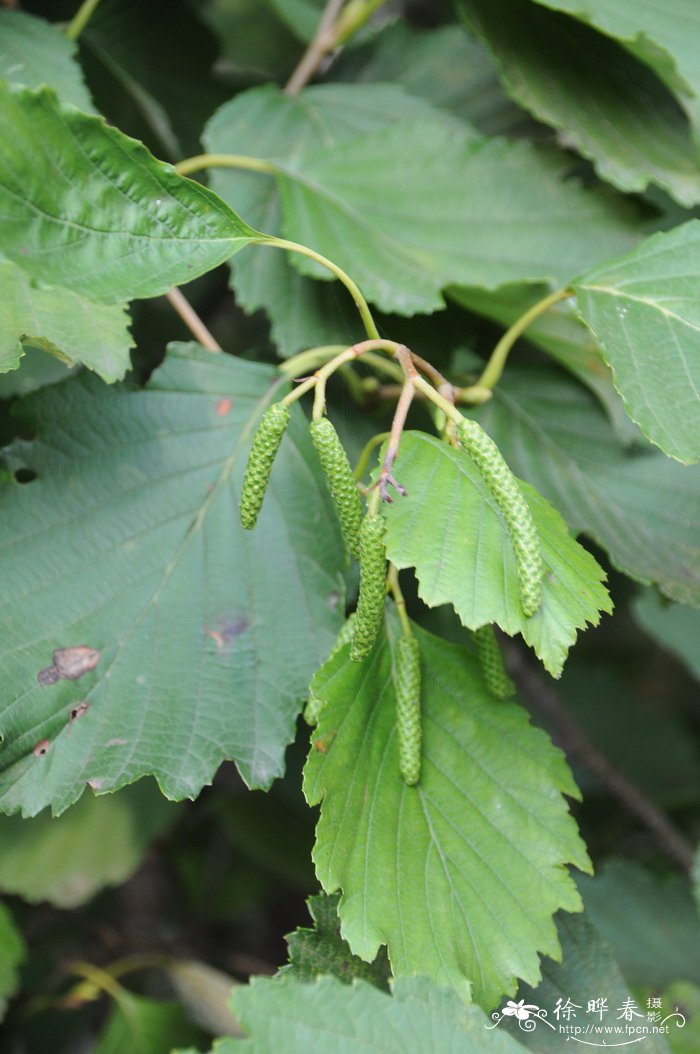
(364, 539)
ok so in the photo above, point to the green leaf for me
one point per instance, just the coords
(601, 99)
(139, 230)
(460, 875)
(344, 1019)
(450, 529)
(129, 541)
(265, 123)
(587, 972)
(61, 322)
(662, 33)
(35, 53)
(153, 100)
(675, 627)
(637, 504)
(145, 1026)
(447, 66)
(100, 842)
(644, 312)
(651, 923)
(560, 333)
(12, 953)
(322, 950)
(413, 209)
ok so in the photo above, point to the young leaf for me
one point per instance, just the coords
(62, 323)
(100, 842)
(408, 211)
(637, 504)
(12, 952)
(129, 542)
(459, 875)
(645, 315)
(35, 53)
(110, 222)
(344, 1019)
(266, 123)
(450, 529)
(321, 950)
(603, 100)
(675, 627)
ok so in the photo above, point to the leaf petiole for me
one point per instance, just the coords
(494, 367)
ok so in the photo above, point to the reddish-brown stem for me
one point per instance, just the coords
(192, 320)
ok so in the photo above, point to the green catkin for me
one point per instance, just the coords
(370, 603)
(341, 481)
(314, 705)
(491, 661)
(408, 721)
(266, 441)
(524, 535)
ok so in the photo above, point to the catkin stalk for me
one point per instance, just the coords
(370, 603)
(341, 481)
(524, 535)
(408, 718)
(266, 441)
(491, 661)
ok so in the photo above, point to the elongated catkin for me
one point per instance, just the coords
(491, 661)
(341, 481)
(407, 685)
(522, 530)
(370, 603)
(266, 441)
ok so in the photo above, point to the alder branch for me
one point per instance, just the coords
(323, 42)
(192, 320)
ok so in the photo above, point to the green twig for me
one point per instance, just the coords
(494, 367)
(299, 365)
(81, 18)
(367, 450)
(353, 17)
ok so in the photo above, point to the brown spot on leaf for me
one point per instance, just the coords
(69, 664)
(41, 748)
(227, 630)
(223, 407)
(78, 709)
(323, 743)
